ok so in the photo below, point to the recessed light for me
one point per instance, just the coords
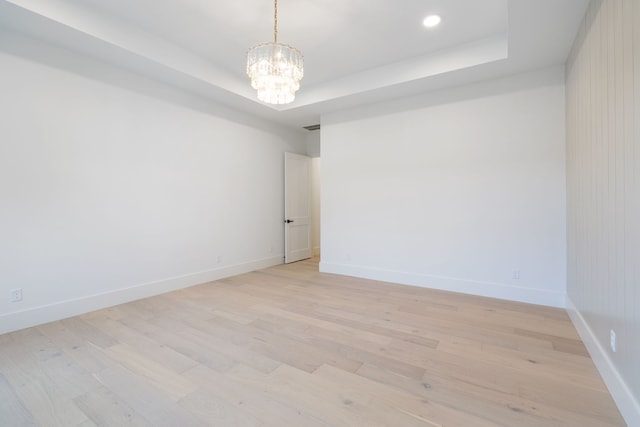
(431, 21)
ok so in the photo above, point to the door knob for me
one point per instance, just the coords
(288, 221)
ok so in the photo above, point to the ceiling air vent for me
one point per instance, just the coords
(312, 127)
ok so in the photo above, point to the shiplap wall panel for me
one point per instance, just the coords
(603, 187)
(633, 293)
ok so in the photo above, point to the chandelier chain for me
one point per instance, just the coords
(275, 22)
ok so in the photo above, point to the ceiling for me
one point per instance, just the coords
(356, 51)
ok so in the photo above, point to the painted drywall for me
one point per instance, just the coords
(315, 205)
(603, 178)
(313, 151)
(313, 143)
(462, 189)
(113, 187)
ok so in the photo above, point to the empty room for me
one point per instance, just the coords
(320, 213)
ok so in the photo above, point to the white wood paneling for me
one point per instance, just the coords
(603, 103)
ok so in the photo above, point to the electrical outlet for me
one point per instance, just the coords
(219, 259)
(612, 340)
(16, 295)
(516, 274)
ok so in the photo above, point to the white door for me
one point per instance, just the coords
(297, 207)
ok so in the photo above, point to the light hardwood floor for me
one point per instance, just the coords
(289, 346)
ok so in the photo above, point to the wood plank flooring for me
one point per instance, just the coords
(289, 346)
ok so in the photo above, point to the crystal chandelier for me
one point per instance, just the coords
(275, 69)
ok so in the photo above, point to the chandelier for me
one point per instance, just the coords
(275, 69)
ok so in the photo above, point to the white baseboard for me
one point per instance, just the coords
(623, 397)
(485, 289)
(62, 309)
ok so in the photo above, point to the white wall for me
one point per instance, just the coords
(315, 205)
(603, 177)
(113, 187)
(313, 144)
(454, 189)
(313, 151)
